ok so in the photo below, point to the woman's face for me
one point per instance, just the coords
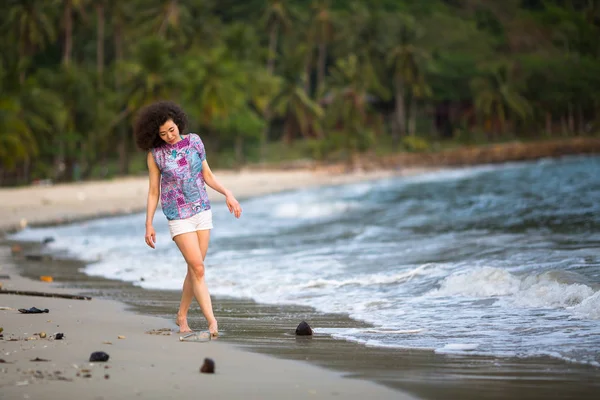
(169, 132)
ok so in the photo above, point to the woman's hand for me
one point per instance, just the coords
(150, 236)
(233, 205)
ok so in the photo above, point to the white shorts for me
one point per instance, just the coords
(198, 222)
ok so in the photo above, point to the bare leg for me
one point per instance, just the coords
(189, 245)
(188, 292)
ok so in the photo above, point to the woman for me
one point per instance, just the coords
(178, 172)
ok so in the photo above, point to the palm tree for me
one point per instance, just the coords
(323, 34)
(17, 143)
(348, 111)
(68, 7)
(406, 61)
(31, 22)
(276, 18)
(300, 113)
(496, 97)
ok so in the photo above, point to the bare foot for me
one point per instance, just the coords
(182, 324)
(213, 328)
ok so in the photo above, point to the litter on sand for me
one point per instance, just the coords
(203, 336)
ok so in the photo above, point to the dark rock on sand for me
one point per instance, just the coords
(208, 367)
(48, 239)
(59, 336)
(304, 329)
(99, 356)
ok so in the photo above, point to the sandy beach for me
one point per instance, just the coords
(46, 205)
(141, 364)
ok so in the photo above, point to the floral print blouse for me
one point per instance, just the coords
(182, 187)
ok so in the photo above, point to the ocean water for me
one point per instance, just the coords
(500, 261)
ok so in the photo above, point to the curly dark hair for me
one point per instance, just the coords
(151, 118)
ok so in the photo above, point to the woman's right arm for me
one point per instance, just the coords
(152, 203)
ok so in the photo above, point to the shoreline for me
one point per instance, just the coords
(408, 372)
(142, 362)
(36, 206)
(409, 362)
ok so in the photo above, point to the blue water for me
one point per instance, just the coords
(493, 260)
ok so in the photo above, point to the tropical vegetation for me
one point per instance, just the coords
(262, 80)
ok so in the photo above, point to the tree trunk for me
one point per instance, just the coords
(412, 117)
(581, 121)
(400, 112)
(563, 125)
(270, 68)
(68, 21)
(272, 48)
(123, 131)
(21, 58)
(307, 72)
(322, 64)
(571, 118)
(100, 43)
(239, 150)
(548, 124)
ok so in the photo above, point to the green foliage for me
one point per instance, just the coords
(415, 144)
(301, 78)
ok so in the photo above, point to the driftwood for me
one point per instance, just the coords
(44, 294)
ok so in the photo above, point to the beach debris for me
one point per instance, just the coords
(44, 294)
(106, 376)
(99, 356)
(48, 239)
(161, 331)
(33, 310)
(106, 342)
(46, 278)
(59, 336)
(203, 336)
(303, 329)
(3, 361)
(121, 337)
(1, 329)
(37, 359)
(208, 367)
(6, 308)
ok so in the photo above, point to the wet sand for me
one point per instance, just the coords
(141, 364)
(269, 329)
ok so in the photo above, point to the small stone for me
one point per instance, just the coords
(304, 329)
(59, 336)
(208, 367)
(99, 356)
(43, 335)
(120, 337)
(106, 376)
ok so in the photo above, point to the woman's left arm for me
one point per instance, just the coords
(211, 180)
